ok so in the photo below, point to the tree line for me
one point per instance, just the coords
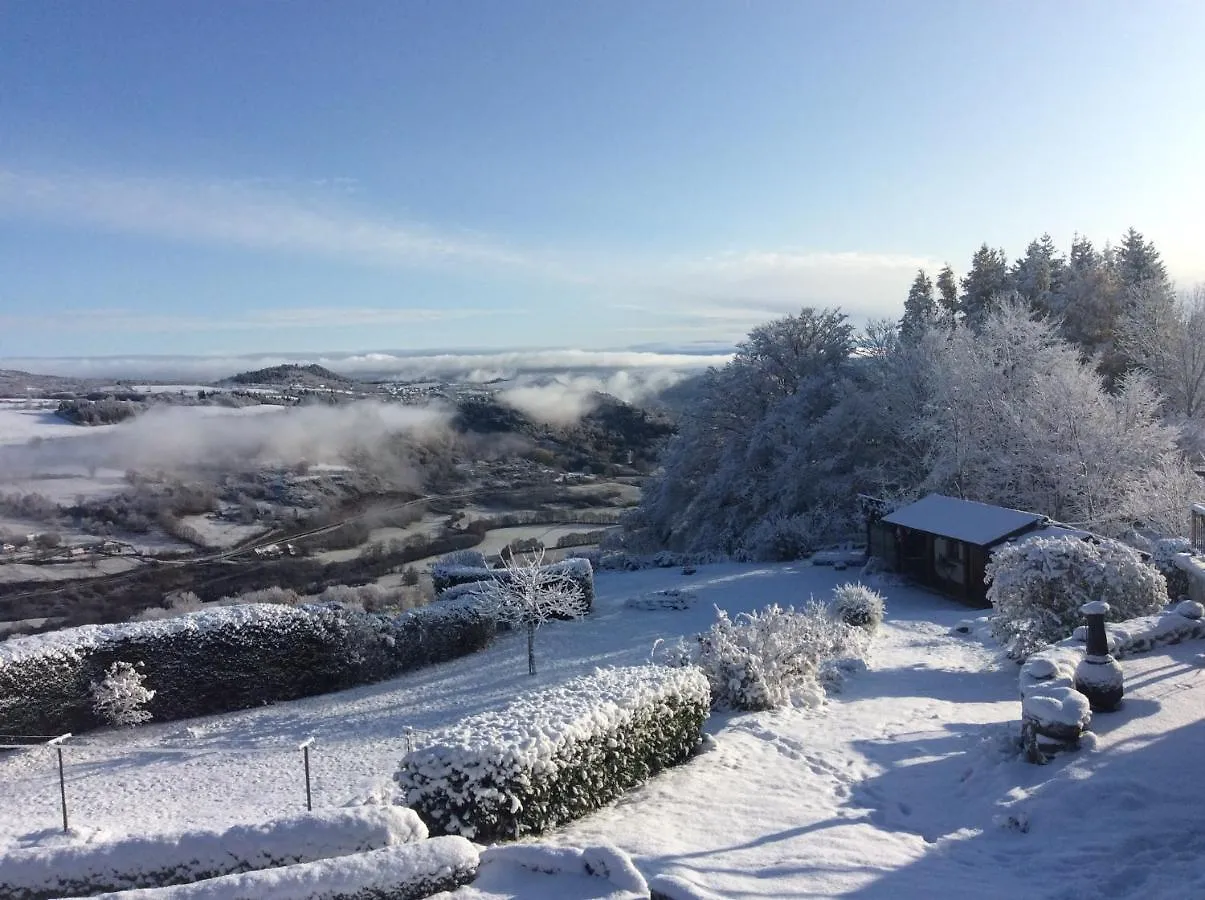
(1067, 386)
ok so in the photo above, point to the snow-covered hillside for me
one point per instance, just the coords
(904, 785)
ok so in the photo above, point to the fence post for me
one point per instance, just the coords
(305, 751)
(57, 743)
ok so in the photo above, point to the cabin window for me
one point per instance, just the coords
(949, 560)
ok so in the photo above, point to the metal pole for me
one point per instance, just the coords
(62, 789)
(309, 796)
(57, 743)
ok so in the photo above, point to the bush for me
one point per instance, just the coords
(1037, 587)
(404, 872)
(225, 659)
(120, 697)
(777, 656)
(1163, 558)
(552, 756)
(182, 857)
(856, 604)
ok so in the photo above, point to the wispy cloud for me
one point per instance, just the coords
(127, 321)
(251, 214)
(724, 295)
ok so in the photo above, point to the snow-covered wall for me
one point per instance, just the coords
(180, 857)
(554, 755)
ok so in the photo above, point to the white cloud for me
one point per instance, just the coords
(565, 399)
(469, 366)
(244, 214)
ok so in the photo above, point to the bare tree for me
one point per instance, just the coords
(527, 593)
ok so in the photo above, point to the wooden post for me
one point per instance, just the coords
(309, 796)
(57, 743)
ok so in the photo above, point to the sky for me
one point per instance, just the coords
(194, 178)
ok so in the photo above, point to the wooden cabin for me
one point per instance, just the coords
(944, 543)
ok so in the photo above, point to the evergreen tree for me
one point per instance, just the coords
(987, 280)
(1038, 275)
(947, 296)
(920, 309)
(1138, 262)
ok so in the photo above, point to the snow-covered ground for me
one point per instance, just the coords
(902, 786)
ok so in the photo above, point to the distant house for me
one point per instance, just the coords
(944, 543)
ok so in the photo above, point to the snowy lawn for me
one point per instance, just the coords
(902, 786)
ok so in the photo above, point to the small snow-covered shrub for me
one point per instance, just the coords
(856, 604)
(442, 576)
(404, 872)
(552, 756)
(777, 656)
(120, 697)
(1038, 586)
(82, 870)
(226, 658)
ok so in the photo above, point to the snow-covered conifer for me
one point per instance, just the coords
(120, 697)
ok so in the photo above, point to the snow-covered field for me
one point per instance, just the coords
(902, 786)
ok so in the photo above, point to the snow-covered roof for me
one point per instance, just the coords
(962, 520)
(1056, 531)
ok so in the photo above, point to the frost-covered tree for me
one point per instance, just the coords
(947, 296)
(1167, 340)
(987, 279)
(1038, 275)
(120, 697)
(525, 593)
(920, 307)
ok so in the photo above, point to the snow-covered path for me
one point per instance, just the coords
(904, 785)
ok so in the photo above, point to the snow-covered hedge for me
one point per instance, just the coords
(552, 756)
(1038, 586)
(776, 656)
(576, 569)
(82, 870)
(856, 604)
(405, 872)
(225, 659)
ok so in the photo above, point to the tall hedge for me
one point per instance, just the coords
(226, 659)
(82, 870)
(552, 756)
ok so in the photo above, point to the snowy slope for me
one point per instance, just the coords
(902, 786)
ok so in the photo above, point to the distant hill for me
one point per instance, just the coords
(14, 383)
(312, 375)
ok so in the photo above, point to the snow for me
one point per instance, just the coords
(133, 862)
(962, 520)
(905, 785)
(377, 873)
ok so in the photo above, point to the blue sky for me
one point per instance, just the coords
(199, 177)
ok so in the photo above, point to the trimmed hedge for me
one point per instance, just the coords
(576, 569)
(406, 872)
(82, 870)
(555, 755)
(226, 659)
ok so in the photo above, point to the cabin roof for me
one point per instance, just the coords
(963, 520)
